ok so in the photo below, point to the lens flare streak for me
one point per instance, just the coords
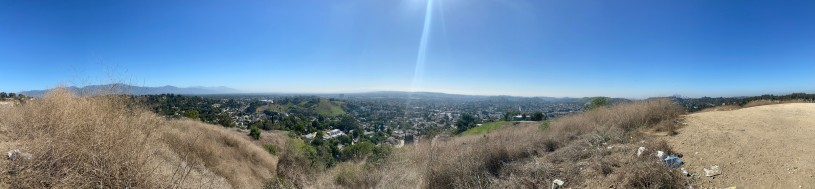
(421, 58)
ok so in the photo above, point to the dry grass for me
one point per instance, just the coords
(760, 103)
(226, 153)
(354, 175)
(400, 170)
(771, 102)
(646, 173)
(587, 150)
(753, 103)
(590, 150)
(721, 108)
(108, 142)
(294, 168)
(608, 124)
(81, 143)
(471, 161)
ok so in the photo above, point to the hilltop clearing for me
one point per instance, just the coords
(758, 147)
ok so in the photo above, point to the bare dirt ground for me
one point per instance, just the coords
(769, 146)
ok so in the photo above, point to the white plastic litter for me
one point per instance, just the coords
(557, 183)
(16, 154)
(713, 171)
(661, 155)
(640, 151)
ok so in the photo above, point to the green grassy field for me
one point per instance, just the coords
(325, 107)
(487, 127)
(329, 108)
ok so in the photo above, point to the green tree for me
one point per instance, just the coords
(269, 125)
(254, 132)
(344, 139)
(318, 139)
(357, 151)
(358, 132)
(596, 102)
(269, 112)
(465, 122)
(508, 115)
(12, 95)
(192, 114)
(537, 116)
(253, 108)
(348, 123)
(3, 95)
(316, 124)
(225, 120)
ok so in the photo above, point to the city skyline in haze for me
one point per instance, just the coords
(632, 49)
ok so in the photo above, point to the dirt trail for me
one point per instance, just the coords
(760, 147)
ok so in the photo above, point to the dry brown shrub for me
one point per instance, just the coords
(721, 108)
(355, 176)
(669, 127)
(572, 148)
(760, 103)
(771, 102)
(279, 183)
(294, 167)
(79, 142)
(647, 173)
(471, 161)
(108, 142)
(661, 145)
(606, 121)
(224, 152)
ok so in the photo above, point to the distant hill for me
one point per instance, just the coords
(424, 95)
(324, 107)
(462, 97)
(137, 90)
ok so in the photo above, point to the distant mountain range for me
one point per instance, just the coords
(136, 90)
(462, 97)
(199, 90)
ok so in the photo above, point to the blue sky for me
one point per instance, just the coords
(628, 48)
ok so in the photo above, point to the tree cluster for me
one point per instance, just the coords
(596, 102)
(15, 96)
(697, 104)
(465, 122)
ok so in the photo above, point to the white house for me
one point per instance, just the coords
(333, 134)
(310, 135)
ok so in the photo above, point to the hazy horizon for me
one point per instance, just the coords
(240, 92)
(631, 49)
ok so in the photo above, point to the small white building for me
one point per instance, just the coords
(333, 134)
(310, 135)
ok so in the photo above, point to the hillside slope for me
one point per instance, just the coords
(759, 147)
(67, 141)
(593, 149)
